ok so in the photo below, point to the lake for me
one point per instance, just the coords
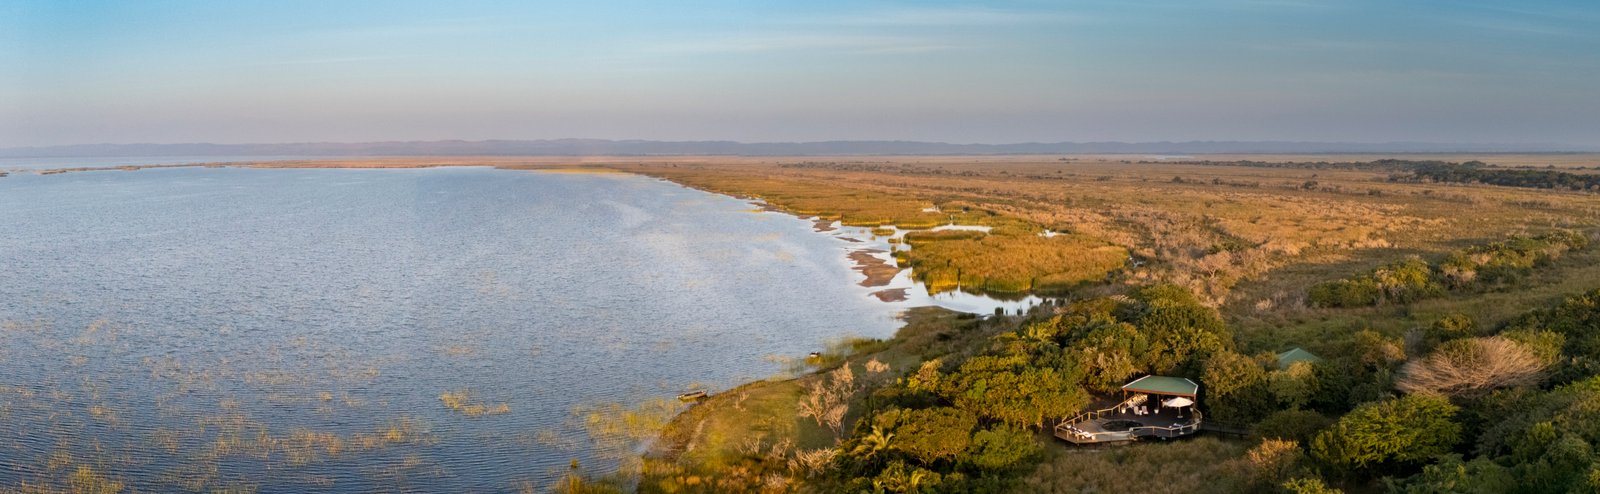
(287, 330)
(35, 164)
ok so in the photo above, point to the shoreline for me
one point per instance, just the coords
(876, 271)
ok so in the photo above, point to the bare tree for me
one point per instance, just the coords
(1472, 367)
(828, 399)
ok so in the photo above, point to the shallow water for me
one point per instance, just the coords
(299, 329)
(294, 329)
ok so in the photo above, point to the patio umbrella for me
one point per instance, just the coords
(1178, 402)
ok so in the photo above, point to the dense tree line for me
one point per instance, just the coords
(1474, 172)
(1470, 172)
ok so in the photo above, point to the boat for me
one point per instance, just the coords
(693, 396)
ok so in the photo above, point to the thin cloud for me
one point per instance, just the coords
(318, 61)
(945, 17)
(861, 44)
(440, 27)
(1517, 26)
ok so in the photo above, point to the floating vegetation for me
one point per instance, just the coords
(617, 432)
(458, 350)
(461, 401)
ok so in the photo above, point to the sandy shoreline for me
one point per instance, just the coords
(878, 271)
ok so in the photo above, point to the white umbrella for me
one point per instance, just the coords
(1178, 402)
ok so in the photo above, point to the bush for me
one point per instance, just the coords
(1235, 388)
(1359, 292)
(1182, 331)
(1002, 449)
(1387, 435)
(929, 435)
(1292, 425)
(1414, 279)
(1012, 390)
(1309, 486)
(1451, 327)
(1472, 367)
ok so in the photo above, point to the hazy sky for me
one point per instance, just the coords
(239, 71)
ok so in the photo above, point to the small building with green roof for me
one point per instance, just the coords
(1142, 413)
(1296, 355)
(1163, 385)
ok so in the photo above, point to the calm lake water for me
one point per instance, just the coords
(27, 164)
(294, 329)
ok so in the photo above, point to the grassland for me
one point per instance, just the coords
(1247, 240)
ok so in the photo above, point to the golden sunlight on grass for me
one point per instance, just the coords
(461, 401)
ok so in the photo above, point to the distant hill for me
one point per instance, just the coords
(581, 147)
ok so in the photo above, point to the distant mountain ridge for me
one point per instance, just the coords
(582, 147)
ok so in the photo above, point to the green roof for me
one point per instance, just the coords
(1294, 355)
(1163, 385)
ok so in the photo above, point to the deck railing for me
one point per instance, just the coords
(1066, 426)
(1184, 429)
(1094, 414)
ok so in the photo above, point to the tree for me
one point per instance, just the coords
(1389, 434)
(1357, 292)
(1228, 373)
(1181, 329)
(1451, 327)
(1472, 367)
(827, 403)
(1292, 425)
(1376, 351)
(1001, 448)
(1235, 387)
(1453, 476)
(1309, 486)
(1109, 355)
(1270, 463)
(1012, 390)
(1294, 386)
(1543, 343)
(929, 435)
(1407, 281)
(899, 477)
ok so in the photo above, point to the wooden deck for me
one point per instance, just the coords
(1114, 425)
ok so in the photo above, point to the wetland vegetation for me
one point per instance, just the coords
(1445, 334)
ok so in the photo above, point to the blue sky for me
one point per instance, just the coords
(241, 71)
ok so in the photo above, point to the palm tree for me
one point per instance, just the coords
(873, 443)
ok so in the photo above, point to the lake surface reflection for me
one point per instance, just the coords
(285, 330)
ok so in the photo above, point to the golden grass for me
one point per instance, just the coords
(1191, 466)
(461, 401)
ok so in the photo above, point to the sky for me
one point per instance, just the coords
(1456, 71)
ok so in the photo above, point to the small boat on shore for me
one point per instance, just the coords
(693, 396)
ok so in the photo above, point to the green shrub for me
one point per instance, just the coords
(1292, 425)
(1002, 449)
(1358, 292)
(1385, 436)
